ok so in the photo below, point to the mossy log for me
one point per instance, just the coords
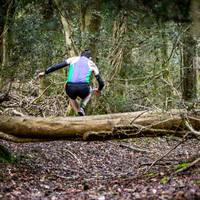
(99, 127)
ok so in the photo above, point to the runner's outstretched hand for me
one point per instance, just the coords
(40, 75)
(96, 92)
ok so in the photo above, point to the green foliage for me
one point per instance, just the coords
(140, 80)
(181, 166)
(149, 73)
(169, 9)
(151, 174)
(164, 180)
(37, 43)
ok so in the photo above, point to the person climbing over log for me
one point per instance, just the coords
(78, 79)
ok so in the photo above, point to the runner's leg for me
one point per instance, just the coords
(85, 101)
(85, 95)
(71, 92)
(74, 104)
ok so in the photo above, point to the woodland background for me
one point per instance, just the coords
(147, 52)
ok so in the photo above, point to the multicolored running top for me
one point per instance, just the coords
(80, 69)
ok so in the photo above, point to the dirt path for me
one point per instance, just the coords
(100, 170)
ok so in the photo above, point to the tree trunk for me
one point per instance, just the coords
(189, 70)
(90, 25)
(3, 10)
(118, 50)
(190, 42)
(102, 127)
(166, 98)
(1, 40)
(195, 14)
(6, 43)
(67, 27)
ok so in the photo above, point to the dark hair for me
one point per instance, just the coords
(87, 53)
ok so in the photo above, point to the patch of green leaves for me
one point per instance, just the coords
(151, 174)
(181, 166)
(164, 180)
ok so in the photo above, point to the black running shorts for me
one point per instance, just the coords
(74, 90)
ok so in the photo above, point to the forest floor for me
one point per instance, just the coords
(102, 170)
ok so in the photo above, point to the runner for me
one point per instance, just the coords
(78, 79)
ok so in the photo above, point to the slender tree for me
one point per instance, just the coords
(189, 53)
(6, 36)
(66, 21)
(90, 24)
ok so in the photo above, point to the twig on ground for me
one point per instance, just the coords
(181, 142)
(137, 149)
(164, 162)
(184, 168)
(17, 113)
(188, 166)
(36, 99)
(189, 126)
(74, 156)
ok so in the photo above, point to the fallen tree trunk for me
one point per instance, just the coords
(99, 127)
